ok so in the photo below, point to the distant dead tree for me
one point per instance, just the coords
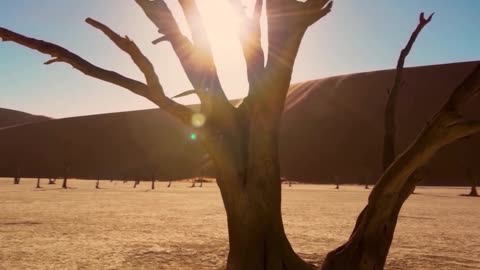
(367, 180)
(97, 185)
(64, 183)
(337, 183)
(51, 181)
(38, 182)
(169, 183)
(16, 179)
(473, 190)
(243, 140)
(194, 182)
(470, 170)
(65, 178)
(135, 183)
(153, 182)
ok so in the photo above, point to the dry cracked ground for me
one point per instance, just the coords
(118, 227)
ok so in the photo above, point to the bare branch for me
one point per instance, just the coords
(196, 58)
(186, 93)
(128, 46)
(61, 54)
(390, 109)
(316, 9)
(287, 23)
(466, 91)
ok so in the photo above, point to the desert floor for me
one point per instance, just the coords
(118, 227)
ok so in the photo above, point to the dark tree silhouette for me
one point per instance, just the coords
(243, 141)
(135, 183)
(470, 169)
(97, 185)
(371, 238)
(38, 182)
(153, 182)
(169, 183)
(16, 179)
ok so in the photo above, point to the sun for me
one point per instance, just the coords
(222, 23)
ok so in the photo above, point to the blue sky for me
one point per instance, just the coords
(357, 36)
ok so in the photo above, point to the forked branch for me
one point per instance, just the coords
(196, 57)
(288, 21)
(390, 108)
(152, 90)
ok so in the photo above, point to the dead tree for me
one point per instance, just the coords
(135, 183)
(473, 190)
(470, 173)
(169, 183)
(16, 179)
(370, 240)
(97, 185)
(38, 182)
(153, 182)
(243, 141)
(64, 183)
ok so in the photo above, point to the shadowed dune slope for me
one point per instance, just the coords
(12, 118)
(332, 127)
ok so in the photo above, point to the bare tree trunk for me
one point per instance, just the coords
(136, 182)
(193, 183)
(38, 182)
(16, 180)
(252, 200)
(97, 185)
(64, 184)
(153, 183)
(169, 183)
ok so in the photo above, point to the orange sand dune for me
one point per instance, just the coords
(332, 127)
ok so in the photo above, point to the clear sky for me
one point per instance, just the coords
(357, 36)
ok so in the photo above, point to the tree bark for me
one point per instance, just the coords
(251, 192)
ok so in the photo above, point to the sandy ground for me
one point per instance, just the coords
(118, 227)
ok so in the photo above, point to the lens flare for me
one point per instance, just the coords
(198, 120)
(193, 136)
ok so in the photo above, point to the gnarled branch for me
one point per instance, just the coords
(390, 109)
(152, 91)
